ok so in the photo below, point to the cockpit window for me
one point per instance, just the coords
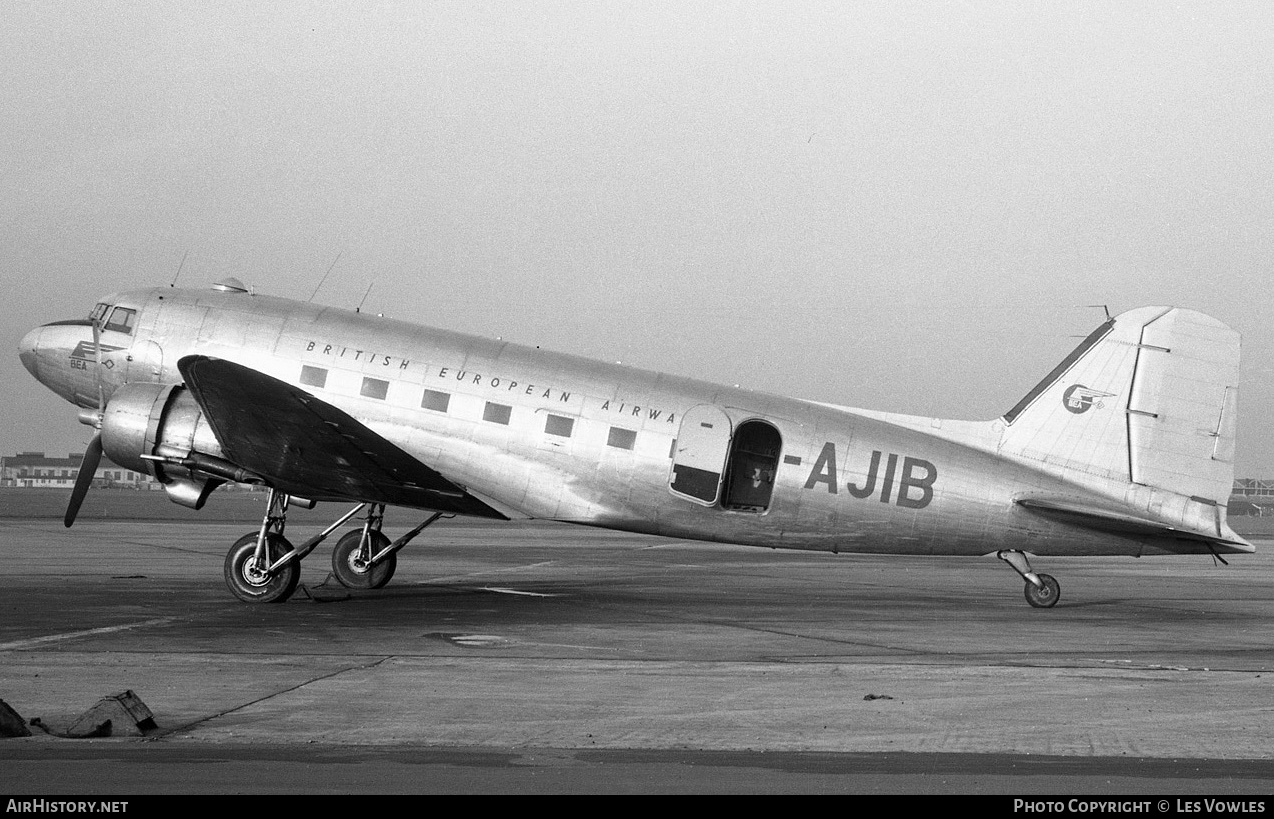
(121, 320)
(99, 311)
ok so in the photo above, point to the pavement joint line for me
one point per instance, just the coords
(744, 626)
(454, 577)
(17, 645)
(510, 590)
(191, 725)
(147, 544)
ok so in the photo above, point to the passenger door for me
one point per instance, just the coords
(698, 463)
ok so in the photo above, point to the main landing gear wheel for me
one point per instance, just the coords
(350, 565)
(1045, 597)
(250, 582)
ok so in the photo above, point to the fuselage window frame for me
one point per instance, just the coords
(377, 388)
(621, 438)
(497, 413)
(435, 400)
(313, 376)
(559, 425)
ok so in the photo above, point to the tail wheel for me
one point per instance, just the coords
(352, 569)
(1045, 597)
(249, 581)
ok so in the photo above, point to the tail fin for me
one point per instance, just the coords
(1149, 398)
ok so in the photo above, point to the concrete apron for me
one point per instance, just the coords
(520, 702)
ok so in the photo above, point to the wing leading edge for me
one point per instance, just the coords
(303, 445)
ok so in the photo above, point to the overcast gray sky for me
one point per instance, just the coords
(901, 206)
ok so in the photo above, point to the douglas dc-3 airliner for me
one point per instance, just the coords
(1125, 448)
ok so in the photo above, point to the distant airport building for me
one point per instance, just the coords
(1254, 488)
(35, 470)
(1252, 496)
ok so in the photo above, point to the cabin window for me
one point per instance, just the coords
(497, 413)
(621, 438)
(99, 311)
(559, 425)
(374, 388)
(313, 376)
(121, 320)
(436, 401)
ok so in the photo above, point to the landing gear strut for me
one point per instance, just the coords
(263, 567)
(359, 560)
(365, 559)
(1042, 591)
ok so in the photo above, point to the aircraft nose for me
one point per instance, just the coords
(29, 351)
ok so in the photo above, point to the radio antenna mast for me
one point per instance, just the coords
(173, 283)
(329, 270)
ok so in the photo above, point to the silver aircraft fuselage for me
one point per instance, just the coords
(555, 436)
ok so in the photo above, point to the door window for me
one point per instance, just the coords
(699, 456)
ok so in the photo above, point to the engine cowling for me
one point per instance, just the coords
(161, 430)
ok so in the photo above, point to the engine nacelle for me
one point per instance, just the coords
(161, 430)
(141, 418)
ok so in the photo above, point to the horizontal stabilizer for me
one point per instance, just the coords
(1217, 537)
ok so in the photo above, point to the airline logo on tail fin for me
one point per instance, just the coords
(1079, 399)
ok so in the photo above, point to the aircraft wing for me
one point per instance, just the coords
(304, 446)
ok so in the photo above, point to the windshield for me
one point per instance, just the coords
(121, 320)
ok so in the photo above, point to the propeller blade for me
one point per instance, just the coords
(101, 393)
(88, 468)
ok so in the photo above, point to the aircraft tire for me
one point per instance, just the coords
(352, 573)
(249, 586)
(392, 563)
(1046, 597)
